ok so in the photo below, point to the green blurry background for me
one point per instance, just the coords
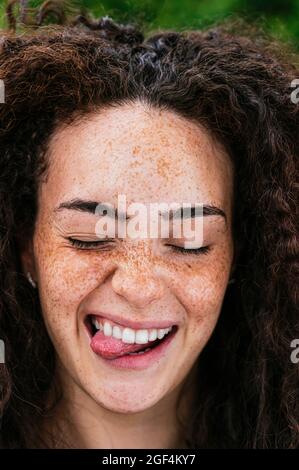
(280, 17)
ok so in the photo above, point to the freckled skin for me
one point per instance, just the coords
(148, 155)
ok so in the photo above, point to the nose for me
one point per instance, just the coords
(138, 288)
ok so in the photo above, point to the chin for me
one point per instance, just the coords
(126, 398)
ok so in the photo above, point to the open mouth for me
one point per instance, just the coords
(113, 341)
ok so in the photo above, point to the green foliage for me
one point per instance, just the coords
(280, 17)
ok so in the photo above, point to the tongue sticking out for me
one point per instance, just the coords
(110, 348)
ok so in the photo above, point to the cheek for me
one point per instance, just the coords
(201, 289)
(65, 279)
(203, 300)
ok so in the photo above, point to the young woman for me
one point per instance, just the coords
(92, 111)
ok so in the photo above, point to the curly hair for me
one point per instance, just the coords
(237, 83)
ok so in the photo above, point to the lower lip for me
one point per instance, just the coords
(141, 361)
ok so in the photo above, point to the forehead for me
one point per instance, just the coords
(147, 154)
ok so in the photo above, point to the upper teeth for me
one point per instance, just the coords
(128, 335)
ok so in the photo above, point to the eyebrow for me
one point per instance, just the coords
(82, 205)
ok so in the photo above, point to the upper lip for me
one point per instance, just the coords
(135, 325)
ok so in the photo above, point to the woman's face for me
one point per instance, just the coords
(148, 156)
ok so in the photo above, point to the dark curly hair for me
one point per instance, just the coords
(237, 83)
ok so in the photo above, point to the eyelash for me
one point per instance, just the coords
(86, 245)
(90, 245)
(203, 250)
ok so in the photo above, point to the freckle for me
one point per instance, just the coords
(163, 167)
(135, 164)
(136, 150)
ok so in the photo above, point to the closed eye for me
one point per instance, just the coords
(195, 251)
(87, 245)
